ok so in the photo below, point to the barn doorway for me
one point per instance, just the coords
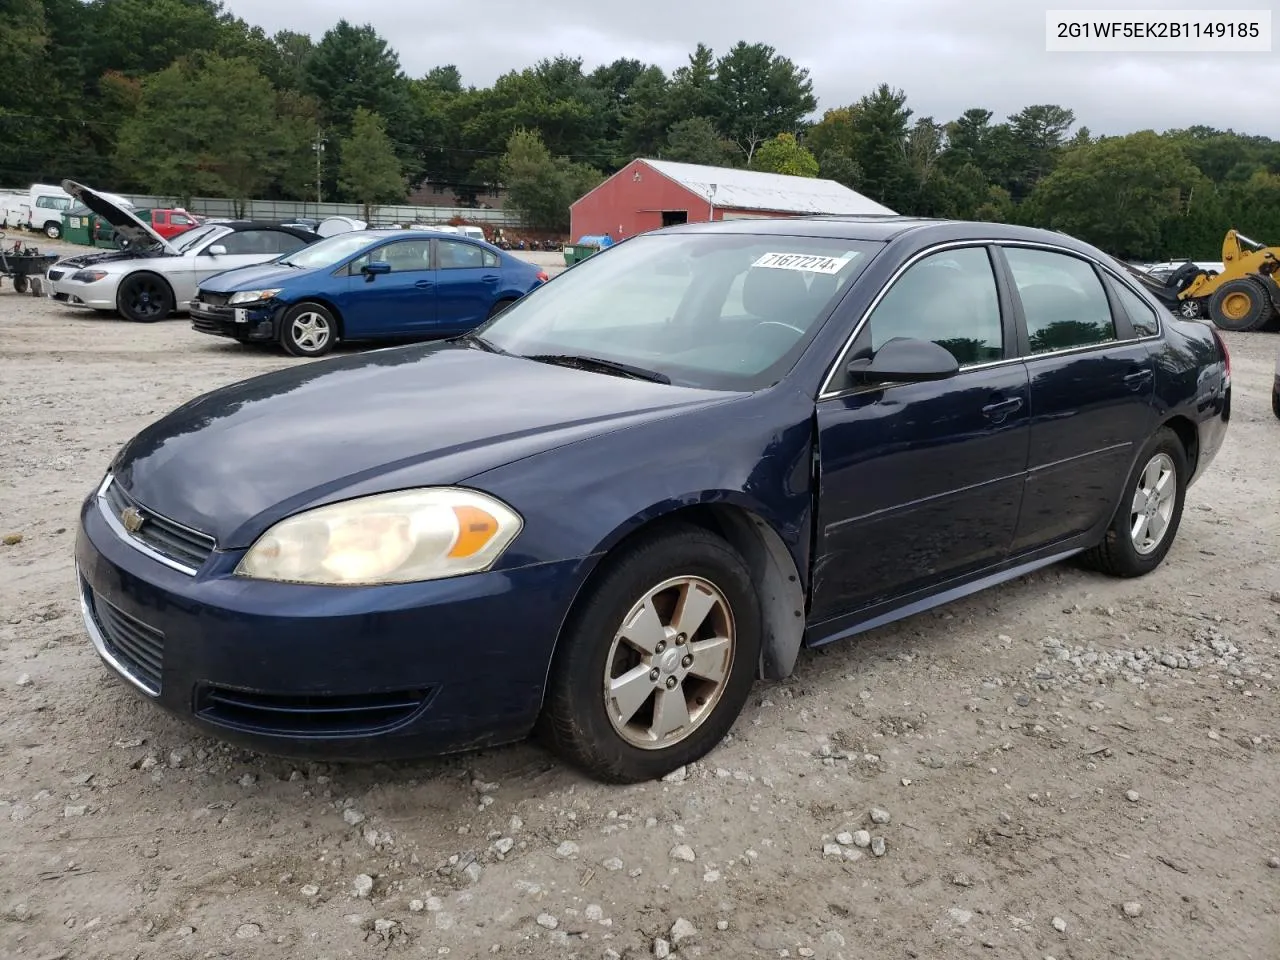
(671, 217)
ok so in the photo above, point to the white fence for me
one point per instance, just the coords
(290, 209)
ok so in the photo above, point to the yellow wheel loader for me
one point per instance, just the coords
(1244, 296)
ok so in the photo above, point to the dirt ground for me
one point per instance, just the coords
(1072, 767)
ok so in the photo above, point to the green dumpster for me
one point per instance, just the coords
(585, 247)
(78, 225)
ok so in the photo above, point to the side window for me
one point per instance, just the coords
(1145, 320)
(1063, 299)
(949, 298)
(281, 242)
(179, 220)
(405, 256)
(491, 259)
(247, 241)
(456, 255)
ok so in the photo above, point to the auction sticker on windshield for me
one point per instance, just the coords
(809, 263)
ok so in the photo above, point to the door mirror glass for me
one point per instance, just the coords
(217, 250)
(375, 268)
(904, 359)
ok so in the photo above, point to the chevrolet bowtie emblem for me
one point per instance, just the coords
(131, 519)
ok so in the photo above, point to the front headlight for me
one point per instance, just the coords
(253, 296)
(88, 276)
(401, 537)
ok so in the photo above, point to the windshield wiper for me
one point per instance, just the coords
(482, 343)
(605, 366)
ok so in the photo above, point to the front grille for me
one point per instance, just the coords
(206, 324)
(309, 716)
(213, 299)
(138, 648)
(56, 274)
(167, 538)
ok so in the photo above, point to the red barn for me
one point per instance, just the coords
(649, 194)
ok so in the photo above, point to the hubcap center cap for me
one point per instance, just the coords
(669, 660)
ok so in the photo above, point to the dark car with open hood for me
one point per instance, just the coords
(607, 511)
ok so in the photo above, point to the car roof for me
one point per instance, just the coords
(240, 225)
(883, 229)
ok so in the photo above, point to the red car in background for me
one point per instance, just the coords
(167, 222)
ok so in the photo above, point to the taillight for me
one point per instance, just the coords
(542, 276)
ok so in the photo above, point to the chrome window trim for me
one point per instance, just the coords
(827, 393)
(100, 644)
(118, 528)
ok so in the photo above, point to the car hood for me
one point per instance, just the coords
(253, 278)
(126, 223)
(102, 258)
(236, 460)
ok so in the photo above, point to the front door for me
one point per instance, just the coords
(922, 482)
(1092, 387)
(401, 303)
(470, 278)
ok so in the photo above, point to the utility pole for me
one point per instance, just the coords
(318, 147)
(711, 199)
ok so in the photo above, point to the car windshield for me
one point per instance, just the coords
(191, 238)
(328, 252)
(711, 310)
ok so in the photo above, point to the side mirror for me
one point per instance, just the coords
(217, 250)
(903, 359)
(375, 268)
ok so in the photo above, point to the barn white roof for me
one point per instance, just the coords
(752, 190)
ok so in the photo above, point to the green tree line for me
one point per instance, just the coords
(181, 98)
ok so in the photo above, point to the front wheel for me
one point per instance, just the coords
(52, 230)
(1150, 512)
(144, 298)
(21, 284)
(658, 661)
(308, 330)
(1240, 305)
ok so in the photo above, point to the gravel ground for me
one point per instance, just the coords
(1067, 766)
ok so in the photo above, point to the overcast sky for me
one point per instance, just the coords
(947, 55)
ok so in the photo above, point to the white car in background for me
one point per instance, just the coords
(156, 277)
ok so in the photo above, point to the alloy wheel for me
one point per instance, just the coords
(310, 331)
(669, 662)
(1153, 503)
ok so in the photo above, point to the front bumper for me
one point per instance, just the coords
(392, 672)
(250, 323)
(99, 295)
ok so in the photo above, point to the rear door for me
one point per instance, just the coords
(922, 482)
(470, 278)
(401, 303)
(1092, 390)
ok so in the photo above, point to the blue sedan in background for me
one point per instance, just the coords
(608, 511)
(364, 285)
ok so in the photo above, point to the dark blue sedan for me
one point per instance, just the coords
(608, 511)
(365, 285)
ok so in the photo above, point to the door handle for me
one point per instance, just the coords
(490, 278)
(424, 284)
(1138, 378)
(1001, 408)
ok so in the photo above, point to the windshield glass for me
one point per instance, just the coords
(717, 311)
(328, 252)
(189, 239)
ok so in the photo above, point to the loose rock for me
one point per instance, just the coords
(861, 838)
(877, 846)
(24, 680)
(1132, 909)
(310, 890)
(612, 863)
(352, 816)
(548, 921)
(1059, 924)
(247, 931)
(362, 886)
(568, 850)
(678, 775)
(1133, 796)
(683, 851)
(879, 816)
(844, 839)
(661, 949)
(682, 929)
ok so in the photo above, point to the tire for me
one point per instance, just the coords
(1120, 554)
(53, 230)
(144, 298)
(21, 284)
(578, 720)
(1275, 400)
(500, 306)
(1240, 305)
(1192, 309)
(308, 330)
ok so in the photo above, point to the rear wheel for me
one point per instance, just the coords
(21, 284)
(53, 230)
(308, 330)
(499, 307)
(144, 298)
(656, 664)
(1192, 309)
(1150, 512)
(1240, 305)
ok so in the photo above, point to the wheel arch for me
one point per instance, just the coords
(773, 570)
(143, 271)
